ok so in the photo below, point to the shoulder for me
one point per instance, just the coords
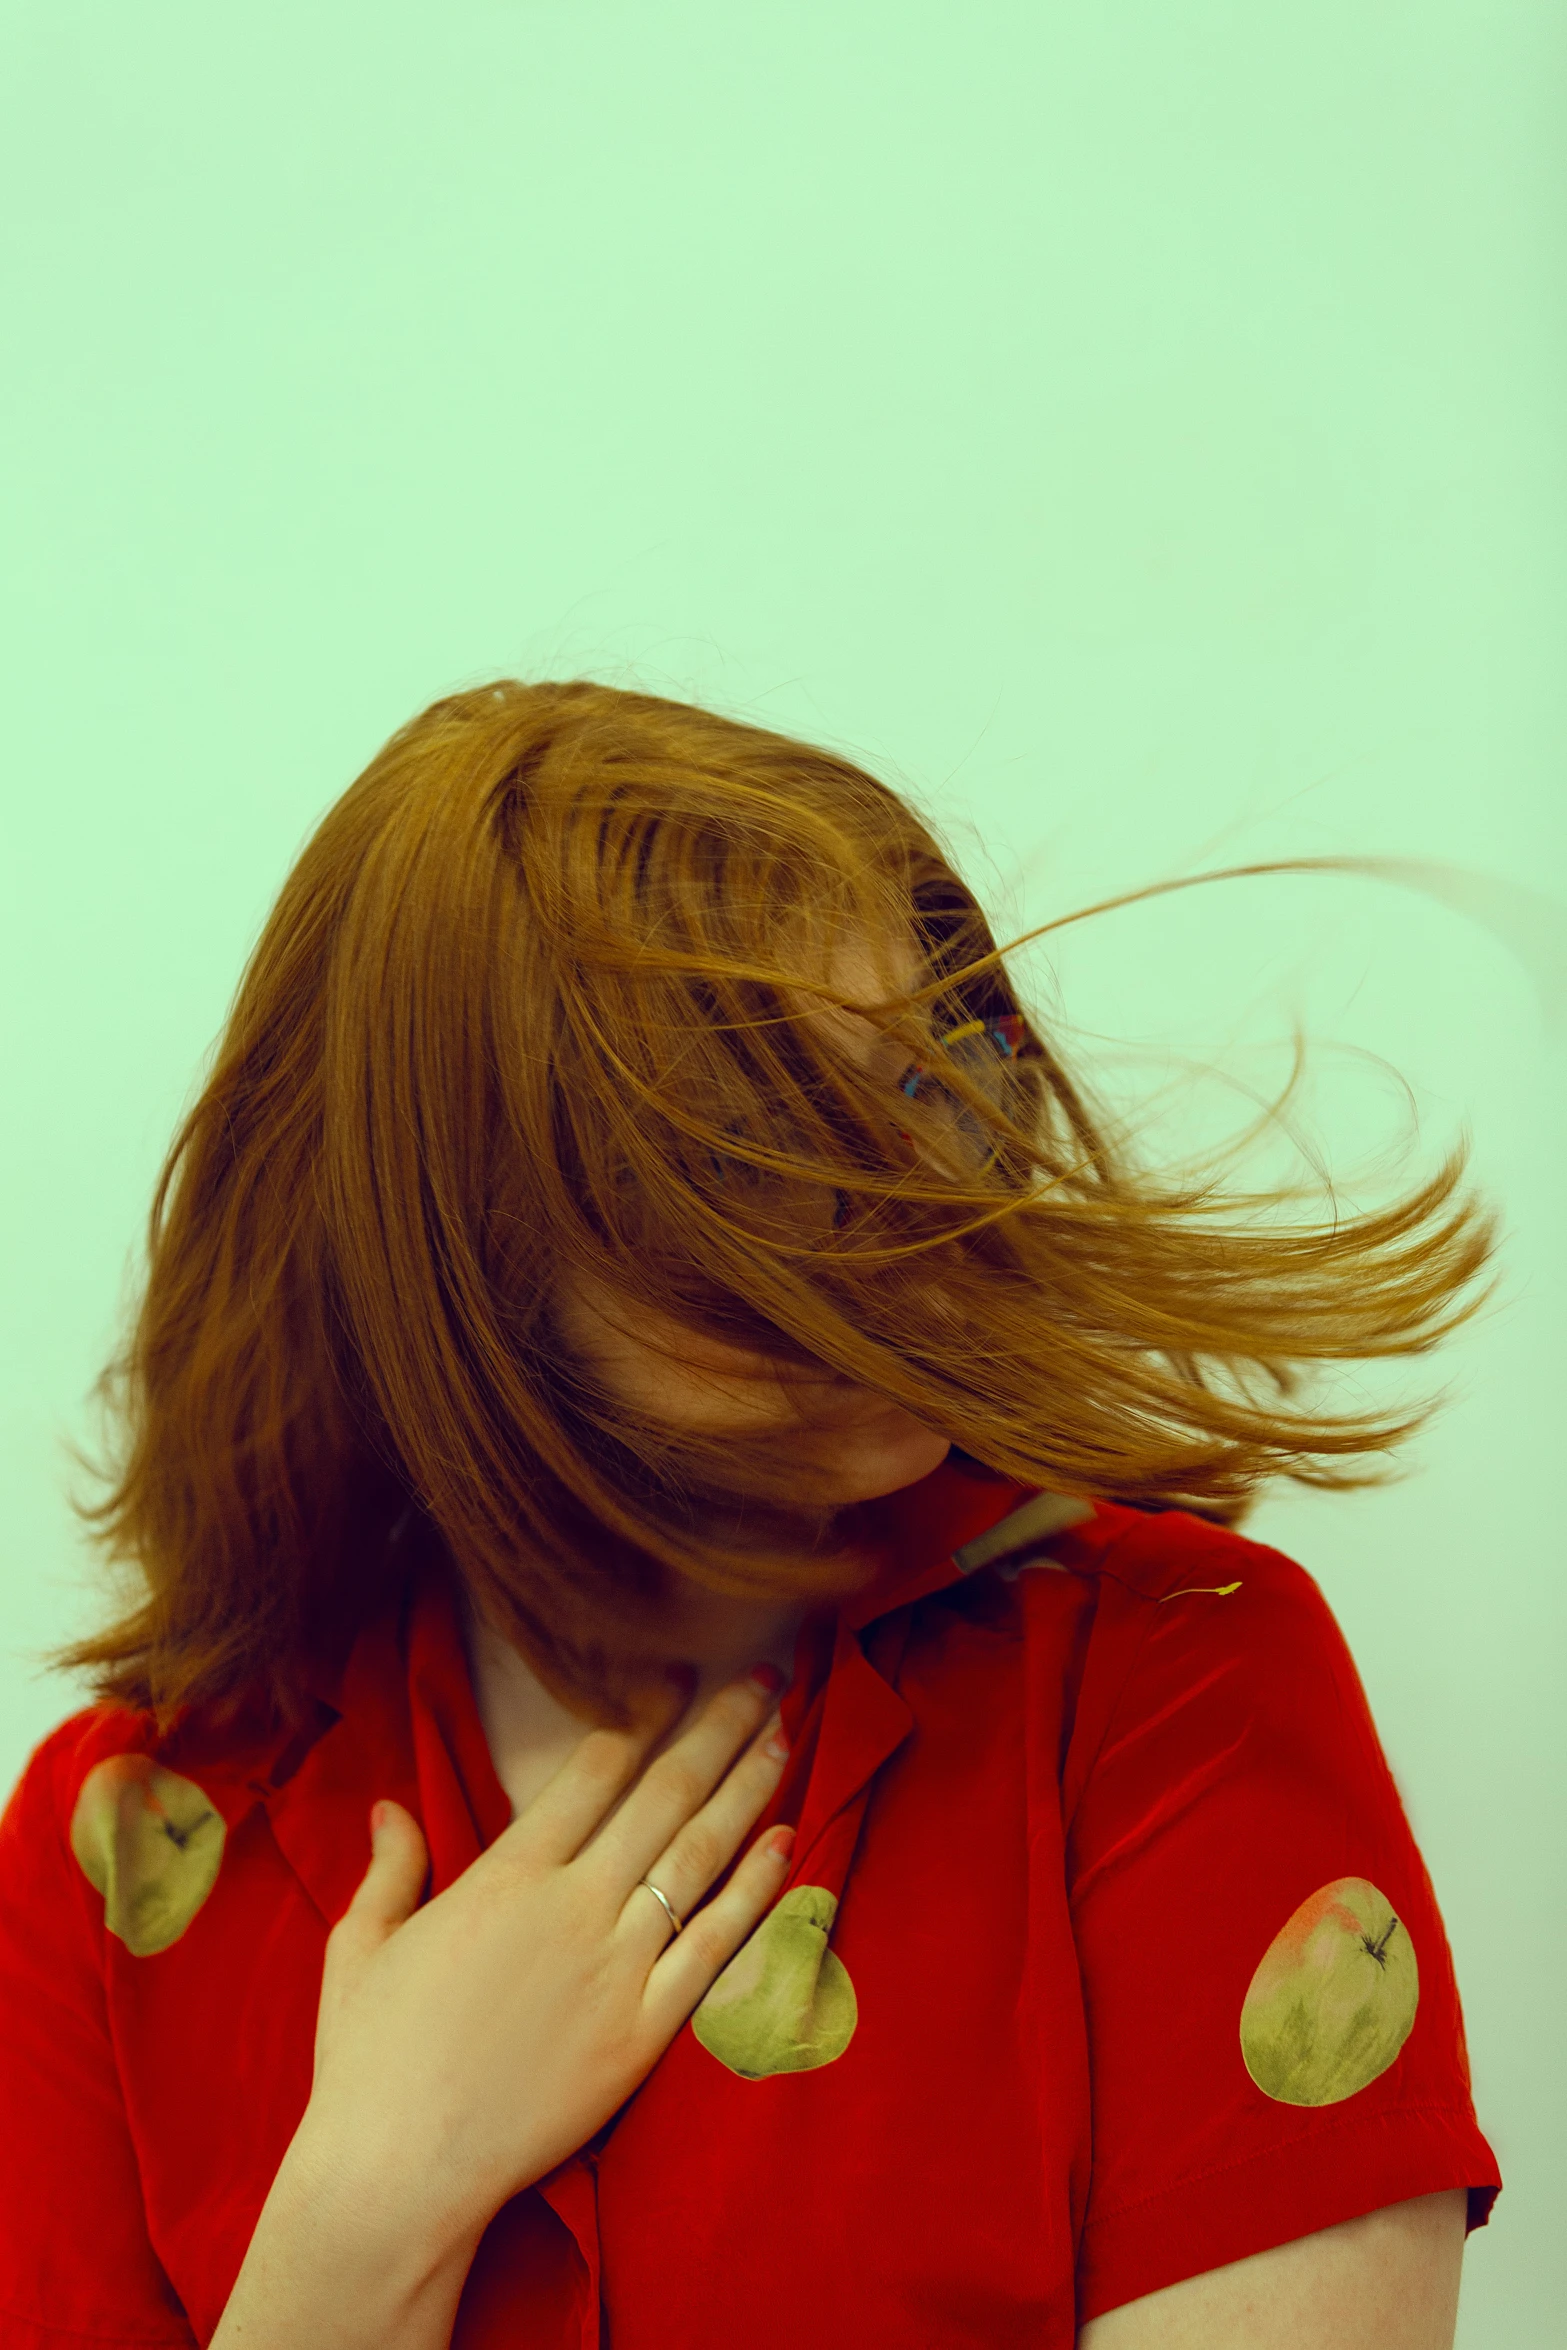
(1178, 1642)
(45, 1793)
(46, 1901)
(1216, 1672)
(107, 1827)
(1170, 1581)
(1128, 1605)
(1159, 1554)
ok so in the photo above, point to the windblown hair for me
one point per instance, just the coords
(541, 998)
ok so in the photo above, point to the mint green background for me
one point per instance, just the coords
(1137, 430)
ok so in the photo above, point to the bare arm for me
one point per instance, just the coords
(466, 2047)
(1385, 2282)
(333, 2266)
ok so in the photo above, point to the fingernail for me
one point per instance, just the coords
(777, 1746)
(378, 1818)
(766, 1677)
(779, 1842)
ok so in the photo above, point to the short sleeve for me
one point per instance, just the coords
(1275, 2038)
(76, 2267)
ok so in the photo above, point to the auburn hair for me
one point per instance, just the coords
(538, 1000)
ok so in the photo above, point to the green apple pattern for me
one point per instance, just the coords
(1333, 1999)
(151, 1843)
(784, 2003)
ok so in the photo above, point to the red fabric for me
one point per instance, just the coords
(1065, 1813)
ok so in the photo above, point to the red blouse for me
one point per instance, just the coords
(1112, 1959)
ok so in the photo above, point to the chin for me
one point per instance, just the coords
(884, 1463)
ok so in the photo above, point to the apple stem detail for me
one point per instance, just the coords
(1378, 1949)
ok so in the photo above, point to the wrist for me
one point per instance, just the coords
(341, 2263)
(381, 2202)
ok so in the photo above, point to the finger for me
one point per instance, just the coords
(694, 1960)
(588, 1785)
(701, 1851)
(388, 1892)
(678, 1784)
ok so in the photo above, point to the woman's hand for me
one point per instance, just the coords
(465, 2048)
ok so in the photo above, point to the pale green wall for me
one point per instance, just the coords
(1137, 428)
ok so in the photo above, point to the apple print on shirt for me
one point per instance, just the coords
(151, 1844)
(1333, 1999)
(784, 2003)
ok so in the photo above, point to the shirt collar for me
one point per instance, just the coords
(403, 1722)
(958, 1519)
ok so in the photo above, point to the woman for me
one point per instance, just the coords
(657, 1400)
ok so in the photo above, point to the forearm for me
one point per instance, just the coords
(333, 2265)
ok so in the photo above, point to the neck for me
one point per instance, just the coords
(530, 1733)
